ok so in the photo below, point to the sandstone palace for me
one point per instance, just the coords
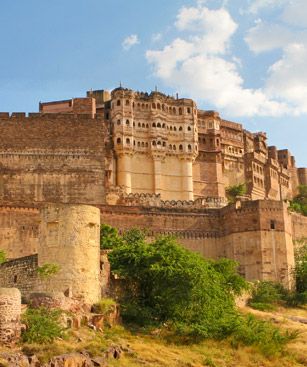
(149, 161)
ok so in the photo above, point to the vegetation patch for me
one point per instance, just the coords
(42, 325)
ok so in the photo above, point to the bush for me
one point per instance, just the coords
(43, 325)
(47, 270)
(170, 283)
(266, 293)
(232, 192)
(299, 202)
(2, 257)
(269, 339)
(104, 306)
(262, 306)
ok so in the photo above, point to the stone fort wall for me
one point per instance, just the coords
(257, 234)
(51, 158)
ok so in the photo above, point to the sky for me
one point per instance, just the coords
(246, 59)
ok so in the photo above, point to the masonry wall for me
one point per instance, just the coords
(20, 273)
(19, 231)
(51, 158)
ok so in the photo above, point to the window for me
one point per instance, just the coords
(158, 125)
(118, 122)
(128, 141)
(189, 110)
(180, 128)
(189, 128)
(127, 122)
(15, 278)
(118, 102)
(118, 141)
(180, 111)
(127, 102)
(180, 147)
(272, 224)
(189, 147)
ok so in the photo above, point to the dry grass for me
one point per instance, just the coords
(156, 351)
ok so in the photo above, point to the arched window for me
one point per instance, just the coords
(139, 125)
(189, 128)
(143, 144)
(180, 128)
(158, 106)
(127, 102)
(118, 141)
(189, 148)
(159, 142)
(180, 111)
(128, 141)
(174, 110)
(174, 147)
(147, 125)
(163, 107)
(171, 128)
(143, 125)
(159, 125)
(118, 122)
(139, 144)
(180, 147)
(154, 124)
(217, 142)
(164, 144)
(163, 126)
(118, 102)
(175, 129)
(189, 110)
(146, 145)
(154, 143)
(127, 122)
(133, 123)
(143, 106)
(170, 147)
(153, 105)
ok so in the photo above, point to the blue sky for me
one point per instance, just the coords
(245, 59)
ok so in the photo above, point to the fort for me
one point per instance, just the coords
(133, 159)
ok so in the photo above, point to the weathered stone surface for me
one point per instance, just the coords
(10, 310)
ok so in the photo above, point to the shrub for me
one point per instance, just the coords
(47, 270)
(232, 192)
(262, 306)
(299, 202)
(42, 325)
(2, 257)
(266, 292)
(262, 334)
(104, 306)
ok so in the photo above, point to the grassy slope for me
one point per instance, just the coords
(155, 350)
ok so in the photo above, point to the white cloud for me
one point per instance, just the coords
(196, 66)
(130, 41)
(256, 6)
(268, 36)
(295, 13)
(288, 78)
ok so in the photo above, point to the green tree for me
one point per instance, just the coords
(232, 192)
(166, 282)
(2, 256)
(109, 237)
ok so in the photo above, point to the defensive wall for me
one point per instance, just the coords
(51, 158)
(257, 234)
(69, 237)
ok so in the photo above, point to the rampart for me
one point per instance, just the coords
(51, 158)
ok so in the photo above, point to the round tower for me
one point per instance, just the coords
(10, 310)
(69, 237)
